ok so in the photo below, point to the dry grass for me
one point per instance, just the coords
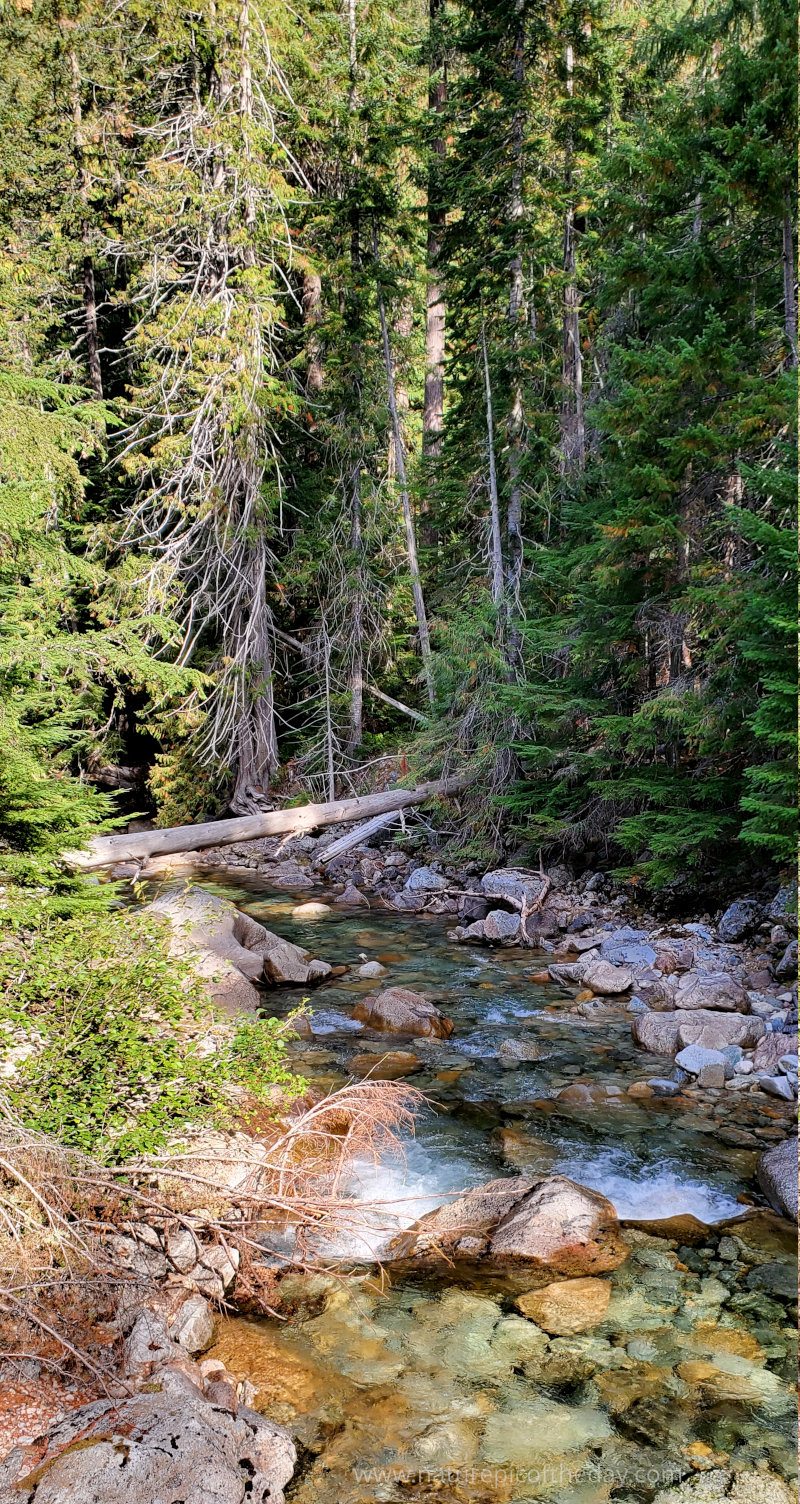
(61, 1283)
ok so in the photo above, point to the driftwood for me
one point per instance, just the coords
(355, 837)
(106, 851)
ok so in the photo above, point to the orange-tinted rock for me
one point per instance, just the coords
(567, 1306)
(400, 1011)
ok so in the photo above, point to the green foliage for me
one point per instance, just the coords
(114, 1026)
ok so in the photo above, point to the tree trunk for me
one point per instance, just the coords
(789, 288)
(312, 315)
(516, 312)
(356, 686)
(411, 542)
(87, 271)
(105, 851)
(494, 500)
(573, 438)
(435, 311)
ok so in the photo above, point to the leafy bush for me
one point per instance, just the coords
(112, 1045)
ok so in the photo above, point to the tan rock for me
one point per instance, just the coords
(391, 1066)
(400, 1011)
(697, 1371)
(640, 1089)
(562, 1226)
(567, 1306)
(312, 910)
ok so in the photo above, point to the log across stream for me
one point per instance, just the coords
(440, 1388)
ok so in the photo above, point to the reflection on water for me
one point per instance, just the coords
(441, 1391)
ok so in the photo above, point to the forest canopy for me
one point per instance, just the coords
(380, 378)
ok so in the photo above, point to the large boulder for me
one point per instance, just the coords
(164, 1447)
(549, 1223)
(222, 941)
(740, 920)
(400, 1011)
(777, 1175)
(513, 884)
(710, 989)
(666, 1033)
(715, 1031)
(563, 1227)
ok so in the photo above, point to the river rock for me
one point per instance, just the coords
(769, 1052)
(568, 1306)
(594, 972)
(148, 1344)
(715, 990)
(777, 1176)
(695, 1059)
(513, 884)
(372, 969)
(786, 968)
(312, 910)
(719, 1486)
(218, 936)
(513, 1052)
(782, 909)
(155, 1448)
(561, 1226)
(425, 880)
(183, 1248)
(391, 1066)
(500, 926)
(626, 947)
(657, 1032)
(778, 1086)
(194, 1325)
(401, 1011)
(714, 1031)
(461, 1227)
(352, 897)
(665, 1033)
(740, 920)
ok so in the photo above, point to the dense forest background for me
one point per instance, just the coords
(382, 380)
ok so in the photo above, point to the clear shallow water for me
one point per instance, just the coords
(441, 1389)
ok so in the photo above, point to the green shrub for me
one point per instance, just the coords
(115, 1029)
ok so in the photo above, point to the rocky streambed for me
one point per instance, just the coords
(589, 1281)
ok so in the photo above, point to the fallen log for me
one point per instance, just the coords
(355, 837)
(106, 851)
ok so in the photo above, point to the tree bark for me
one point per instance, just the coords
(789, 288)
(105, 851)
(573, 438)
(411, 542)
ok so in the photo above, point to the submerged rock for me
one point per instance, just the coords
(567, 1306)
(740, 1488)
(777, 1176)
(312, 910)
(165, 1446)
(391, 1066)
(401, 1011)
